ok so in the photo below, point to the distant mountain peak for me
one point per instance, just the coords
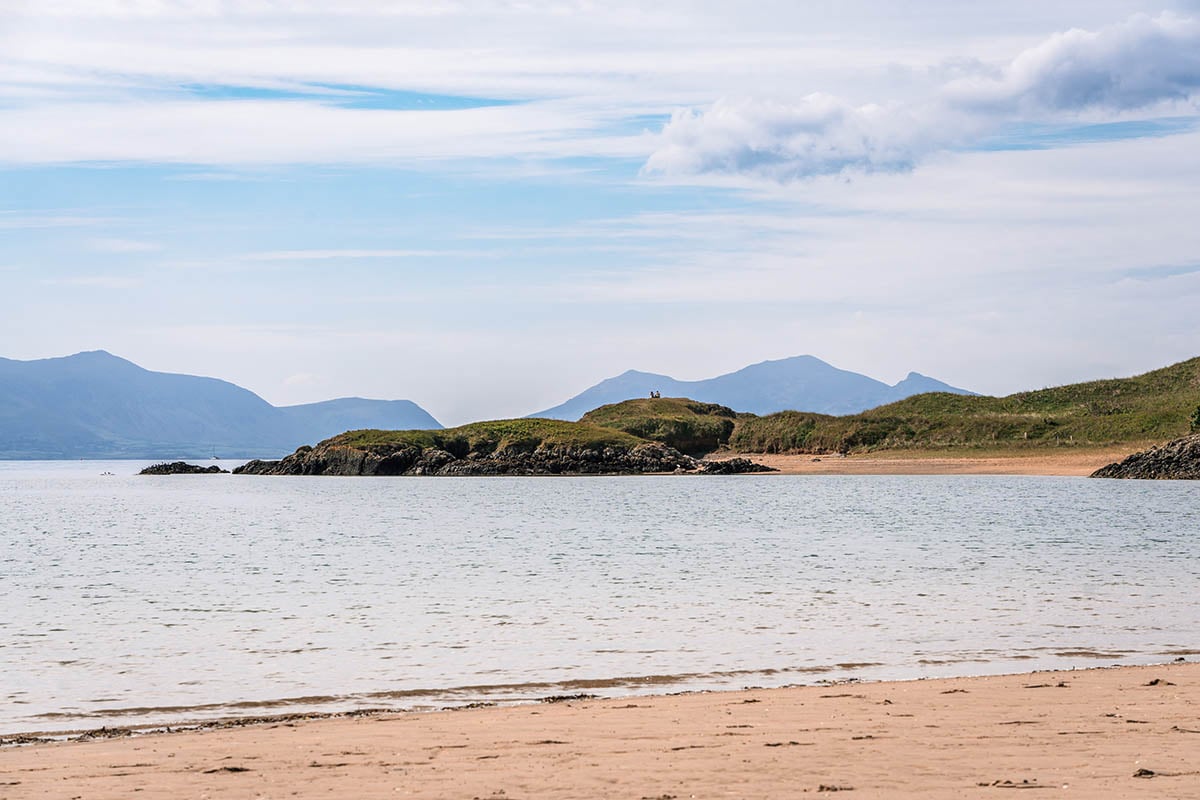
(97, 355)
(801, 383)
(635, 373)
(916, 383)
(94, 404)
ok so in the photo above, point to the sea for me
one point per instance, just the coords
(129, 600)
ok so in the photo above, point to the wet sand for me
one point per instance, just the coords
(1066, 462)
(1129, 732)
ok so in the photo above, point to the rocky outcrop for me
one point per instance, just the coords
(182, 468)
(1177, 460)
(733, 466)
(329, 458)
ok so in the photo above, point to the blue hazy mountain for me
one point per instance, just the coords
(96, 405)
(801, 383)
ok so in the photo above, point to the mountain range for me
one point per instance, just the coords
(96, 405)
(800, 383)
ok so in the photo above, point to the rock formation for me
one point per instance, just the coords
(182, 468)
(733, 466)
(1177, 460)
(330, 458)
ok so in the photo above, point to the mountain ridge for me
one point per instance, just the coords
(94, 404)
(800, 383)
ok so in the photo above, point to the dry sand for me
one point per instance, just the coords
(1131, 732)
(1081, 462)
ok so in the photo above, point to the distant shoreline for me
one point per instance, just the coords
(1065, 462)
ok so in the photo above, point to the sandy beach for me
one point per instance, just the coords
(1129, 732)
(1065, 462)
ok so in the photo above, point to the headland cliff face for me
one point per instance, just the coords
(1176, 460)
(332, 458)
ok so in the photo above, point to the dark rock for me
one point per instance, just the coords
(1177, 460)
(329, 458)
(733, 466)
(182, 468)
(256, 467)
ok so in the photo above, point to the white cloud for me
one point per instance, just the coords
(820, 135)
(1138, 64)
(1145, 64)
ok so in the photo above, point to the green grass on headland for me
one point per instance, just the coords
(483, 438)
(686, 425)
(1152, 407)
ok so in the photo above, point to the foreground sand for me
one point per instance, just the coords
(1105, 733)
(1067, 462)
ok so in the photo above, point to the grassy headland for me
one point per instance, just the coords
(686, 425)
(1155, 406)
(521, 435)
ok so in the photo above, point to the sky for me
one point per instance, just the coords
(486, 207)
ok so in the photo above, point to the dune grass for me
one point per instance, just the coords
(1152, 407)
(686, 425)
(1156, 406)
(482, 438)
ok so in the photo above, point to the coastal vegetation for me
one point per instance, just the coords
(656, 434)
(486, 438)
(499, 447)
(678, 422)
(1153, 407)
(1145, 408)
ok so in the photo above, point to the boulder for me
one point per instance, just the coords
(733, 466)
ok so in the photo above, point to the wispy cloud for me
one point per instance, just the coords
(18, 220)
(1157, 273)
(820, 135)
(260, 84)
(281, 132)
(109, 245)
(94, 282)
(324, 255)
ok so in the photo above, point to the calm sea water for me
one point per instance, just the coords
(128, 599)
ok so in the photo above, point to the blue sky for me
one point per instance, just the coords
(486, 207)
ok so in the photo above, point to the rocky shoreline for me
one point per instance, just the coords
(1176, 460)
(651, 458)
(182, 468)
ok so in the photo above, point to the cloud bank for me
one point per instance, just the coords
(820, 135)
(1147, 64)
